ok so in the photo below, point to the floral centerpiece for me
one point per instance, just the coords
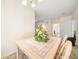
(41, 33)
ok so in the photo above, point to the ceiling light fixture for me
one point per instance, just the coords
(32, 2)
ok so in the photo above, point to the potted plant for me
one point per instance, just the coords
(41, 34)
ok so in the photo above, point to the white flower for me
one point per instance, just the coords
(39, 32)
(44, 28)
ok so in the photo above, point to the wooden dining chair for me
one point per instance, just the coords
(64, 39)
(65, 51)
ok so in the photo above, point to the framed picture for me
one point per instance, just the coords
(56, 29)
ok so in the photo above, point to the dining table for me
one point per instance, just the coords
(37, 50)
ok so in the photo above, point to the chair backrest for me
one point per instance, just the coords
(61, 46)
(65, 51)
(63, 41)
(60, 52)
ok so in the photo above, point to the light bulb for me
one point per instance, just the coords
(24, 2)
(40, 1)
(33, 5)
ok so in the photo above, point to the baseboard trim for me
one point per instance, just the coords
(11, 56)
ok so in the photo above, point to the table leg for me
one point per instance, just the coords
(17, 53)
(20, 54)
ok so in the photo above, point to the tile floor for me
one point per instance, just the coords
(74, 53)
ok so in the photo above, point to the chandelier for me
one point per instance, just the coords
(31, 3)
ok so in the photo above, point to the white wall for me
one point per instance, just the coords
(65, 25)
(66, 28)
(17, 20)
(75, 19)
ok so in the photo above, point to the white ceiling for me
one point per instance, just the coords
(49, 9)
